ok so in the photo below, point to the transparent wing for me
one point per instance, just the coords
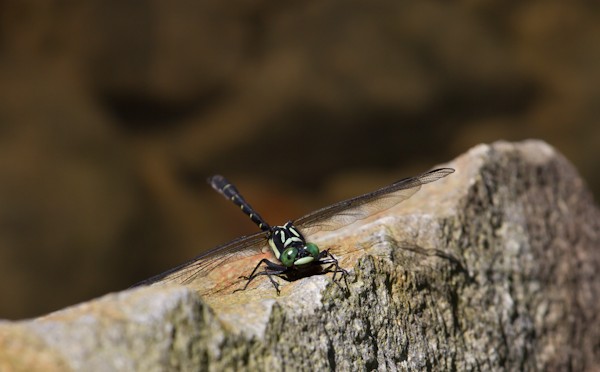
(345, 212)
(203, 264)
(328, 218)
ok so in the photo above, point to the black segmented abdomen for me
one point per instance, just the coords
(229, 191)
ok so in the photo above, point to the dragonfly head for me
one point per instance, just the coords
(298, 255)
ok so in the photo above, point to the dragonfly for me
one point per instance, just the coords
(292, 254)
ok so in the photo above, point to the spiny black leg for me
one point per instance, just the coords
(270, 265)
(269, 271)
(268, 274)
(327, 258)
(255, 268)
(275, 284)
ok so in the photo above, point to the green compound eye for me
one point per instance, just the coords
(289, 256)
(313, 249)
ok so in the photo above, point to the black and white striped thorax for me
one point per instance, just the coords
(283, 237)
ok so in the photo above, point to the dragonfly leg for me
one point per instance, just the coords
(327, 258)
(270, 270)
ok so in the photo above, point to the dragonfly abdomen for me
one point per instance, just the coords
(228, 190)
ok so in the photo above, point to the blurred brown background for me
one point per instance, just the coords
(113, 113)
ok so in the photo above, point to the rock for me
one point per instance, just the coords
(491, 268)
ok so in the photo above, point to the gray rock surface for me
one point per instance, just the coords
(492, 268)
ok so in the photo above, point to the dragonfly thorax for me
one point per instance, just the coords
(290, 247)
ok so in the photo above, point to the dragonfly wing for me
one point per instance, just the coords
(203, 264)
(345, 212)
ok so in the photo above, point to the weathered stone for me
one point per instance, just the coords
(490, 268)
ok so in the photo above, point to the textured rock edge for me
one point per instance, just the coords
(497, 271)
